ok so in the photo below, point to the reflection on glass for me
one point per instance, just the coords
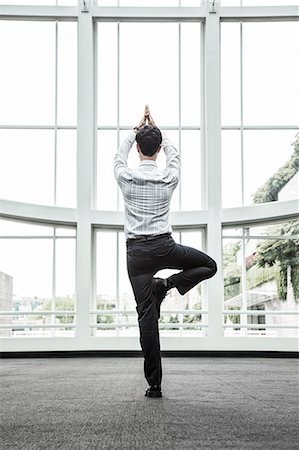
(268, 165)
(191, 170)
(146, 79)
(67, 73)
(66, 168)
(27, 75)
(190, 74)
(271, 73)
(230, 73)
(231, 168)
(27, 166)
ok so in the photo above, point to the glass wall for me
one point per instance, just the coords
(37, 273)
(261, 280)
(260, 111)
(164, 72)
(38, 111)
(115, 304)
(60, 281)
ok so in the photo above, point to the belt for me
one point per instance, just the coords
(147, 237)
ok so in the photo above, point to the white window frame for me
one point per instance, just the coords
(212, 217)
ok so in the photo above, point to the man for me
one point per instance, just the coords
(147, 192)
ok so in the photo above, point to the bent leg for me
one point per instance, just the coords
(196, 266)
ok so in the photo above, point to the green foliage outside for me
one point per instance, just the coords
(273, 258)
(282, 255)
(269, 191)
(61, 303)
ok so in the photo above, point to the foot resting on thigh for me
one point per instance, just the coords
(160, 289)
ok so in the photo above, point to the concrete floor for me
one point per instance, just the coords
(99, 403)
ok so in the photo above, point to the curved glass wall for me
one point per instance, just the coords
(223, 85)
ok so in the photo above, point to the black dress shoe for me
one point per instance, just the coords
(154, 391)
(160, 289)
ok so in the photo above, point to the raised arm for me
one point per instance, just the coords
(121, 157)
(173, 160)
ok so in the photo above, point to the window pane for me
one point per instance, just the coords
(231, 169)
(271, 73)
(27, 72)
(27, 166)
(67, 73)
(26, 273)
(28, 2)
(106, 269)
(65, 258)
(232, 277)
(20, 228)
(107, 73)
(106, 183)
(66, 168)
(148, 2)
(271, 274)
(269, 2)
(190, 73)
(145, 72)
(191, 170)
(126, 296)
(106, 276)
(269, 165)
(230, 73)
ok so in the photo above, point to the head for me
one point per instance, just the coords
(149, 141)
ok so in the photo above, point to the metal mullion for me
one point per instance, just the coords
(241, 112)
(202, 118)
(37, 237)
(93, 318)
(162, 127)
(260, 127)
(254, 312)
(243, 318)
(53, 300)
(118, 105)
(95, 83)
(56, 107)
(36, 127)
(117, 281)
(180, 104)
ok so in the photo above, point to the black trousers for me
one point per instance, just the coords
(145, 258)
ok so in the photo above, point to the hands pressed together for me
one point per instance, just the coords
(147, 119)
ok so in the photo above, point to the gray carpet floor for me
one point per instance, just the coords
(99, 403)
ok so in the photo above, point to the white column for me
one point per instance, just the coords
(85, 160)
(212, 127)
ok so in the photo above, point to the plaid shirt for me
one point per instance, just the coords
(147, 190)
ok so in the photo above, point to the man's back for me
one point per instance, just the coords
(147, 190)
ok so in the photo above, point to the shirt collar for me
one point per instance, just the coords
(148, 162)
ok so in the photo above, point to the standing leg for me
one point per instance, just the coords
(148, 326)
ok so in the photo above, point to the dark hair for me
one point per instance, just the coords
(149, 140)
